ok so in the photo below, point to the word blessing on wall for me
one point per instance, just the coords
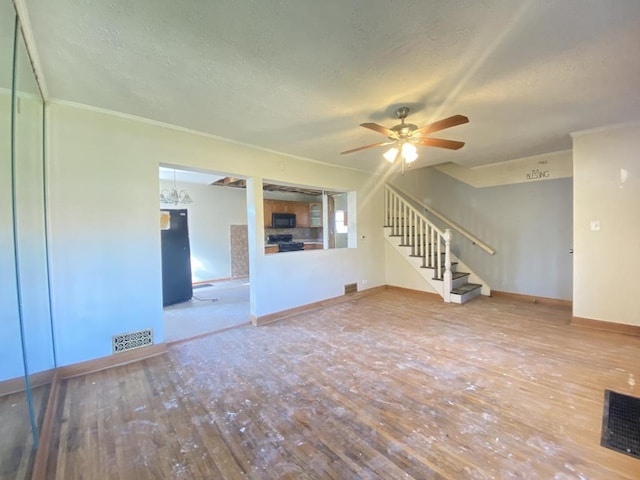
(536, 174)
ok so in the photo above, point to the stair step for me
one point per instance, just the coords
(454, 275)
(467, 287)
(434, 254)
(454, 265)
(416, 246)
(466, 292)
(458, 279)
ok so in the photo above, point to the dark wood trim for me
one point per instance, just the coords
(533, 299)
(274, 317)
(623, 328)
(42, 453)
(117, 359)
(15, 385)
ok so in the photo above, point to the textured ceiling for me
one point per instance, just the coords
(7, 16)
(25, 81)
(298, 76)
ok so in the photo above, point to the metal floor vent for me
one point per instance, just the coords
(621, 423)
(131, 340)
(350, 288)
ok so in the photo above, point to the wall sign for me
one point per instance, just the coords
(536, 174)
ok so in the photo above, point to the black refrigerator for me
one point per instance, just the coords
(176, 257)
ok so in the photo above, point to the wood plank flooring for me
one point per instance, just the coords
(392, 386)
(16, 443)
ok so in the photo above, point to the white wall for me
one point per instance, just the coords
(30, 244)
(607, 190)
(529, 225)
(400, 273)
(105, 244)
(10, 351)
(521, 170)
(32, 258)
(213, 211)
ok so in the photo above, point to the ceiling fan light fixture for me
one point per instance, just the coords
(390, 155)
(409, 152)
(405, 136)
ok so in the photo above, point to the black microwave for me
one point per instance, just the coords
(283, 220)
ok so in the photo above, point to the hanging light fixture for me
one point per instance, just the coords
(406, 151)
(173, 196)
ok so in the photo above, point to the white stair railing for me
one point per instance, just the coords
(416, 201)
(426, 240)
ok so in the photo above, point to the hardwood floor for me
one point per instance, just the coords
(16, 443)
(392, 385)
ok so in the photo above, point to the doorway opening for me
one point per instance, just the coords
(205, 257)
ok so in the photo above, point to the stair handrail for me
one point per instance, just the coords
(451, 223)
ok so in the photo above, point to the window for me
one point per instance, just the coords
(341, 221)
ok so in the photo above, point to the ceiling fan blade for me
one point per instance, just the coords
(441, 125)
(381, 144)
(439, 142)
(380, 129)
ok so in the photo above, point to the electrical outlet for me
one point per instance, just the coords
(364, 282)
(595, 225)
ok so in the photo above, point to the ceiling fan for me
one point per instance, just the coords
(405, 136)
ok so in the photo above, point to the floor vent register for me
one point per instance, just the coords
(350, 288)
(132, 340)
(621, 423)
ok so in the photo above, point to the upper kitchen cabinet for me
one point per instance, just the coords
(268, 210)
(299, 209)
(315, 214)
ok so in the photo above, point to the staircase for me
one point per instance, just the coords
(428, 250)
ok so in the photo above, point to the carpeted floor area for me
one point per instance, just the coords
(214, 308)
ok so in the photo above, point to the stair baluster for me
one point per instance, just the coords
(447, 277)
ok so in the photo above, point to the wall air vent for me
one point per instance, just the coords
(131, 340)
(350, 288)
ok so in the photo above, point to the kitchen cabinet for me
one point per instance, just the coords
(275, 206)
(300, 209)
(271, 249)
(268, 210)
(315, 214)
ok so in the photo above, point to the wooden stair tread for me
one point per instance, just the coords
(466, 288)
(454, 276)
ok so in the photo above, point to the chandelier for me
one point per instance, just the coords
(173, 196)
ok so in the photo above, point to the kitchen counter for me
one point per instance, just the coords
(270, 248)
(309, 244)
(313, 245)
